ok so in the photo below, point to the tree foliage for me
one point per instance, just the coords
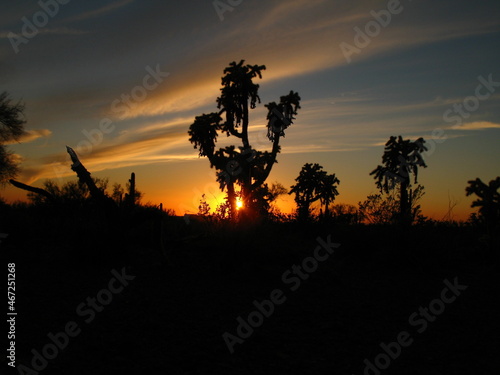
(11, 129)
(264, 197)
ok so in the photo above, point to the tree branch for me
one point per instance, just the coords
(269, 166)
(32, 189)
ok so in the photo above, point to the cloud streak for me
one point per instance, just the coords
(100, 11)
(51, 31)
(479, 125)
(30, 136)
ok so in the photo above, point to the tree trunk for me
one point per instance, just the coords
(84, 177)
(327, 211)
(231, 196)
(403, 204)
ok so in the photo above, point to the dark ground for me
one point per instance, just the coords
(170, 319)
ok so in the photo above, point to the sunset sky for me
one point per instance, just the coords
(142, 70)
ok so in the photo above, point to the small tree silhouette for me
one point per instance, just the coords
(118, 193)
(265, 196)
(377, 210)
(244, 166)
(313, 184)
(401, 158)
(11, 128)
(204, 207)
(489, 201)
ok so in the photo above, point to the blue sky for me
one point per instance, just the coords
(427, 58)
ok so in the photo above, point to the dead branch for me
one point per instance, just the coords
(32, 189)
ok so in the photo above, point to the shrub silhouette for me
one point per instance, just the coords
(383, 208)
(11, 128)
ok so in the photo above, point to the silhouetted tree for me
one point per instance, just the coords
(242, 166)
(488, 202)
(223, 210)
(306, 189)
(313, 184)
(401, 158)
(11, 128)
(264, 196)
(204, 207)
(118, 193)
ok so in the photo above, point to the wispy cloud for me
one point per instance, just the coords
(311, 148)
(100, 11)
(31, 135)
(53, 31)
(195, 83)
(63, 31)
(478, 125)
(131, 149)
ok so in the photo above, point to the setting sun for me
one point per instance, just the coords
(239, 203)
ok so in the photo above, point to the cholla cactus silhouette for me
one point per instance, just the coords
(328, 191)
(313, 184)
(401, 159)
(242, 166)
(488, 202)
